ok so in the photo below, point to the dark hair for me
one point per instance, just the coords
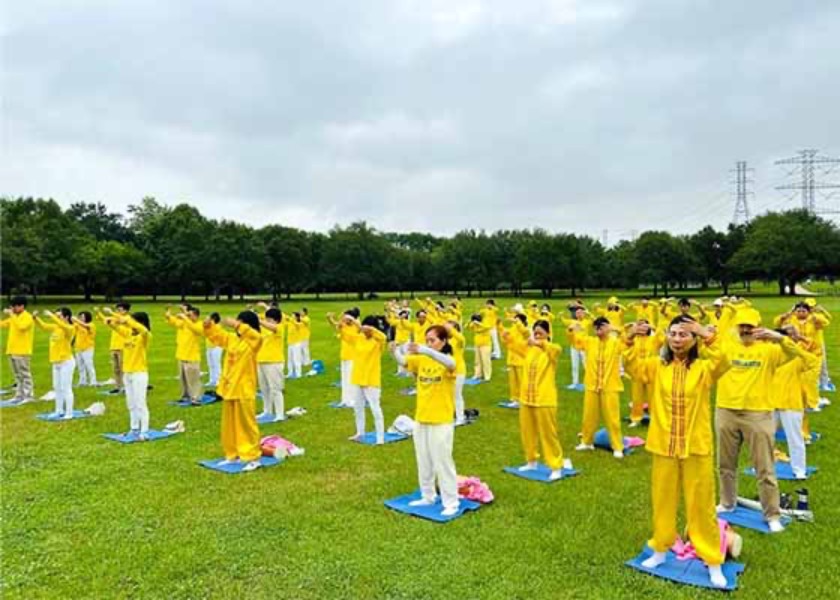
(802, 305)
(684, 302)
(476, 318)
(143, 319)
(215, 317)
(455, 324)
(65, 312)
(443, 335)
(354, 312)
(403, 314)
(522, 318)
(546, 306)
(370, 321)
(421, 312)
(600, 321)
(544, 325)
(297, 315)
(86, 316)
(275, 314)
(194, 309)
(304, 310)
(491, 301)
(668, 354)
(250, 318)
(126, 306)
(19, 301)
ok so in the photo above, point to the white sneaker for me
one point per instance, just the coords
(67, 416)
(264, 415)
(618, 454)
(461, 421)
(354, 438)
(567, 464)
(716, 576)
(251, 466)
(449, 512)
(634, 424)
(531, 466)
(723, 508)
(582, 447)
(422, 502)
(775, 526)
(555, 475)
(654, 560)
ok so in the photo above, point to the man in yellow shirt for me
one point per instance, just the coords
(490, 316)
(270, 364)
(19, 347)
(745, 410)
(190, 332)
(84, 344)
(483, 367)
(116, 347)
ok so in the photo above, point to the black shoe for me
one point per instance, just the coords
(115, 391)
(149, 387)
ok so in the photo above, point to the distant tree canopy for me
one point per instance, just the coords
(159, 249)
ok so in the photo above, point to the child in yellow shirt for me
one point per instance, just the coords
(136, 331)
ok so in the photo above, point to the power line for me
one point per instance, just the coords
(804, 166)
(742, 209)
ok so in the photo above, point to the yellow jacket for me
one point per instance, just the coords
(788, 390)
(21, 334)
(61, 338)
(402, 329)
(346, 333)
(645, 347)
(187, 338)
(539, 373)
(649, 313)
(367, 359)
(239, 373)
(136, 346)
(603, 372)
(85, 337)
(518, 334)
(811, 328)
(418, 331)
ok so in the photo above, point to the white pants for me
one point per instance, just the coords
(433, 447)
(136, 385)
(371, 396)
(271, 381)
(497, 349)
(792, 424)
(459, 396)
(87, 370)
(295, 360)
(304, 353)
(578, 359)
(62, 375)
(214, 365)
(347, 395)
(825, 378)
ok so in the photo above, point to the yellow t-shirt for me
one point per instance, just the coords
(458, 343)
(21, 334)
(85, 337)
(367, 359)
(117, 341)
(61, 338)
(187, 338)
(273, 349)
(239, 371)
(482, 334)
(489, 315)
(539, 375)
(305, 328)
(136, 338)
(294, 331)
(748, 384)
(435, 390)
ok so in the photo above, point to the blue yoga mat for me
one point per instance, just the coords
(540, 474)
(688, 572)
(601, 440)
(269, 419)
(77, 414)
(369, 439)
(338, 404)
(205, 400)
(410, 391)
(748, 518)
(784, 471)
(781, 437)
(10, 403)
(431, 512)
(134, 436)
(508, 404)
(472, 381)
(235, 468)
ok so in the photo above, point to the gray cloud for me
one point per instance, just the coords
(435, 115)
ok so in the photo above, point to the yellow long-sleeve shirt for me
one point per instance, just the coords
(539, 373)
(85, 337)
(346, 333)
(273, 349)
(136, 345)
(649, 312)
(481, 334)
(61, 338)
(680, 407)
(811, 327)
(402, 329)
(21, 334)
(367, 359)
(305, 328)
(187, 338)
(239, 372)
(614, 316)
(435, 390)
(117, 342)
(294, 331)
(489, 315)
(418, 331)
(787, 391)
(458, 343)
(517, 334)
(603, 373)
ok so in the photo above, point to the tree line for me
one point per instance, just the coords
(158, 249)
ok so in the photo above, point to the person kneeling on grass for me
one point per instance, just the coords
(238, 387)
(680, 437)
(434, 431)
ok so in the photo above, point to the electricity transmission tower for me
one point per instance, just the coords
(742, 209)
(809, 164)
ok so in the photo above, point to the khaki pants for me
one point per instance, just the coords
(483, 363)
(758, 430)
(191, 380)
(117, 366)
(25, 389)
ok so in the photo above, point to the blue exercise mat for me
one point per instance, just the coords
(134, 436)
(205, 400)
(10, 403)
(411, 391)
(508, 404)
(748, 518)
(77, 414)
(369, 439)
(781, 437)
(601, 440)
(235, 468)
(268, 419)
(472, 381)
(431, 512)
(540, 474)
(338, 404)
(689, 572)
(784, 471)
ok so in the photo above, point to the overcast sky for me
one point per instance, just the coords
(432, 115)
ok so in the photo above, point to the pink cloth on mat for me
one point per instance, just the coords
(686, 551)
(633, 442)
(472, 488)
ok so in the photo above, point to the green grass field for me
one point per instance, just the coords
(84, 517)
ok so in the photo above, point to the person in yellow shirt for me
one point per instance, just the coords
(720, 316)
(115, 348)
(294, 341)
(61, 356)
(136, 330)
(603, 383)
(434, 431)
(368, 345)
(402, 327)
(458, 343)
(214, 357)
(613, 312)
(685, 307)
(513, 336)
(238, 387)
(490, 316)
(645, 310)
(811, 322)
(419, 327)
(19, 345)
(483, 344)
(305, 336)
(680, 437)
(745, 410)
(578, 357)
(270, 373)
(648, 343)
(346, 330)
(84, 345)
(188, 350)
(538, 400)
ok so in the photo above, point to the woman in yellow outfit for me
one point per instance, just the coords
(515, 335)
(648, 343)
(61, 356)
(458, 343)
(346, 328)
(680, 439)
(538, 400)
(490, 317)
(582, 319)
(483, 343)
(368, 345)
(613, 312)
(84, 346)
(402, 326)
(238, 387)
(645, 311)
(603, 383)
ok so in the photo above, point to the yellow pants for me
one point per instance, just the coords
(240, 433)
(515, 382)
(483, 363)
(595, 403)
(642, 393)
(696, 477)
(538, 426)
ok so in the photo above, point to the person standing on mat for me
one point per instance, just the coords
(434, 431)
(516, 334)
(745, 411)
(238, 387)
(368, 345)
(19, 346)
(188, 351)
(136, 331)
(680, 437)
(270, 365)
(603, 383)
(482, 342)
(457, 342)
(490, 316)
(538, 399)
(61, 356)
(214, 357)
(647, 344)
(116, 348)
(581, 319)
(346, 329)
(84, 345)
